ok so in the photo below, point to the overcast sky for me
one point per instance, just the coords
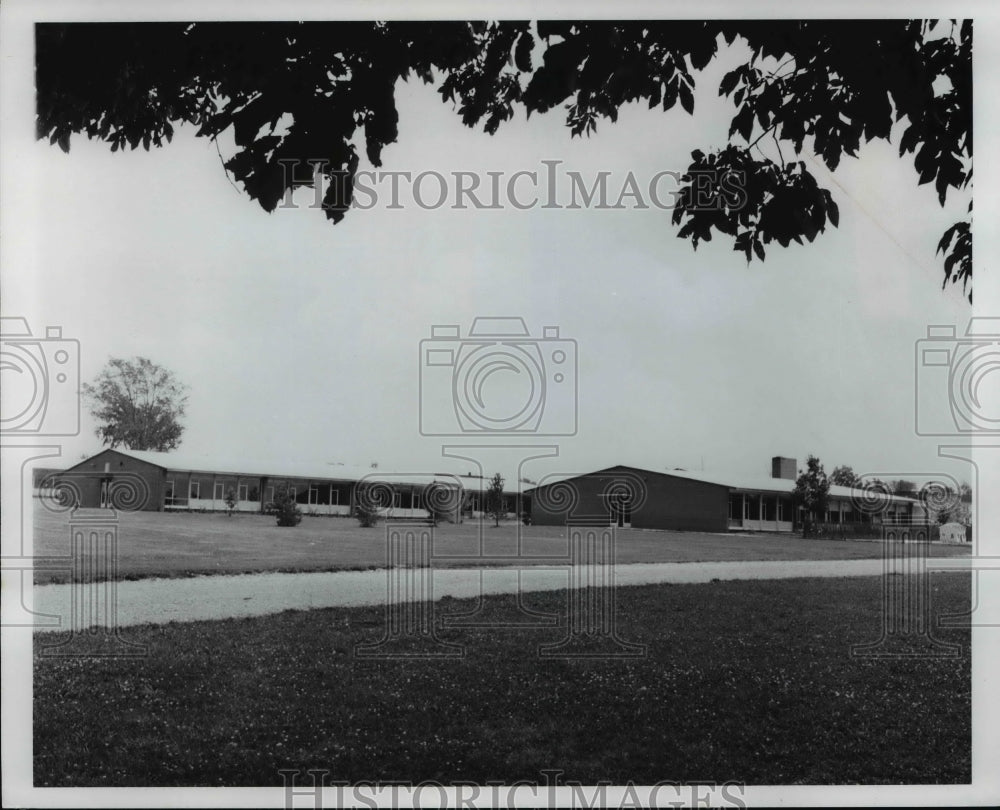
(299, 339)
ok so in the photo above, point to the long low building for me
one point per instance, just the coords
(677, 499)
(151, 481)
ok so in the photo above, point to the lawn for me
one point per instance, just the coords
(743, 680)
(178, 545)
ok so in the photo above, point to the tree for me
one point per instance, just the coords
(843, 476)
(284, 507)
(903, 488)
(137, 405)
(496, 506)
(806, 91)
(230, 502)
(811, 492)
(965, 492)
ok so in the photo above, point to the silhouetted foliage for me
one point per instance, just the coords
(807, 87)
(844, 476)
(812, 492)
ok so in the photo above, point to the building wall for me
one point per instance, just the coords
(679, 503)
(669, 503)
(124, 473)
(183, 490)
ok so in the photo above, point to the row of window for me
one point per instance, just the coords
(244, 492)
(312, 495)
(754, 507)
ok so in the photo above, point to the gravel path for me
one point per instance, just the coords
(158, 601)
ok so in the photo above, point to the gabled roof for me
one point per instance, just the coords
(188, 462)
(742, 483)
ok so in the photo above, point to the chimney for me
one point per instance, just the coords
(783, 468)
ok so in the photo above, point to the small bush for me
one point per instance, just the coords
(284, 508)
(367, 515)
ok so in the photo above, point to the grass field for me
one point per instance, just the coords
(178, 545)
(746, 680)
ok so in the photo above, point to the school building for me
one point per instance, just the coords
(694, 501)
(152, 481)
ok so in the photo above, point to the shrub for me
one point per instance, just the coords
(367, 514)
(285, 509)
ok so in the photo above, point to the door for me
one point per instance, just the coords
(621, 513)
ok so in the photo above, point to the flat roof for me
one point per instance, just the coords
(186, 462)
(741, 483)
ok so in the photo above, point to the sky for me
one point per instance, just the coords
(300, 339)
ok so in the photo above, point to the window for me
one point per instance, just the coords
(769, 508)
(220, 494)
(784, 510)
(243, 492)
(416, 500)
(194, 491)
(313, 495)
(254, 494)
(752, 507)
(736, 507)
(168, 493)
(269, 495)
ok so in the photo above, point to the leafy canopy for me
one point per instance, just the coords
(809, 91)
(812, 488)
(844, 476)
(137, 405)
(496, 506)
